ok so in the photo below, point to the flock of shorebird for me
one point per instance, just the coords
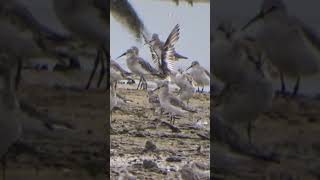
(240, 60)
(243, 60)
(164, 57)
(24, 38)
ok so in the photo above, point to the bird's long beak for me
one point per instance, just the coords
(260, 15)
(121, 55)
(254, 19)
(149, 42)
(155, 89)
(189, 67)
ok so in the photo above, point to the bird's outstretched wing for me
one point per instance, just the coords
(155, 58)
(127, 15)
(167, 62)
(103, 6)
(116, 66)
(168, 51)
(207, 72)
(173, 37)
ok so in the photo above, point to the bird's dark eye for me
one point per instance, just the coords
(270, 10)
(221, 28)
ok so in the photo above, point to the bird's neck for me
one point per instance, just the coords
(164, 92)
(278, 15)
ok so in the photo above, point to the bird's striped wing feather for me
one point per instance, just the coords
(173, 37)
(168, 53)
(145, 65)
(178, 103)
(155, 58)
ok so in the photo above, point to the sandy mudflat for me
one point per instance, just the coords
(77, 154)
(290, 129)
(136, 123)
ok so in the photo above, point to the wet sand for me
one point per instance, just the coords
(136, 123)
(76, 153)
(290, 129)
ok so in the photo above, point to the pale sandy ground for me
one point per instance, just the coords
(291, 130)
(80, 156)
(137, 123)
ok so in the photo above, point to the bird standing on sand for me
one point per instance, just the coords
(117, 73)
(248, 90)
(88, 21)
(184, 82)
(139, 66)
(200, 75)
(10, 125)
(22, 36)
(290, 44)
(171, 104)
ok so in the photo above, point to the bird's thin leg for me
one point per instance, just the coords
(107, 55)
(18, 75)
(179, 92)
(296, 87)
(139, 82)
(94, 68)
(145, 83)
(283, 85)
(102, 71)
(198, 89)
(142, 81)
(115, 85)
(249, 131)
(202, 89)
(4, 165)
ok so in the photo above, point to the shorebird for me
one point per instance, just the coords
(88, 21)
(290, 44)
(117, 73)
(125, 175)
(174, 106)
(113, 97)
(153, 99)
(244, 72)
(136, 52)
(184, 82)
(233, 54)
(10, 125)
(199, 75)
(163, 53)
(22, 36)
(190, 171)
(139, 66)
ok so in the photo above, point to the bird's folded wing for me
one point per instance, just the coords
(308, 33)
(145, 65)
(116, 66)
(177, 102)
